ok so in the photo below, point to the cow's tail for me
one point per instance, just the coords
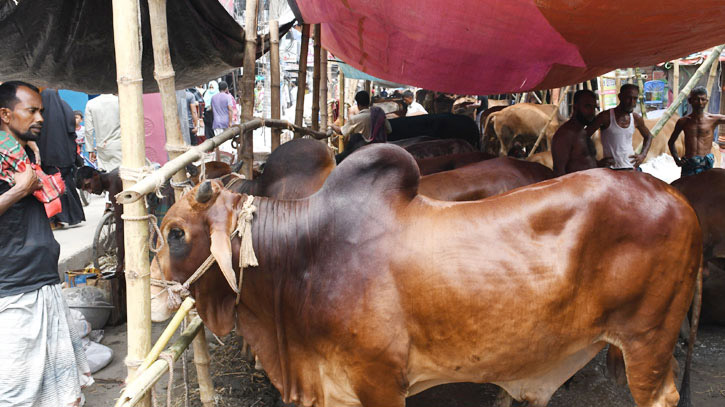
(685, 392)
(485, 135)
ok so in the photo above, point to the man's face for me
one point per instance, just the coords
(408, 100)
(628, 99)
(25, 120)
(698, 102)
(79, 119)
(586, 109)
(93, 185)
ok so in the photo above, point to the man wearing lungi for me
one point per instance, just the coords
(42, 362)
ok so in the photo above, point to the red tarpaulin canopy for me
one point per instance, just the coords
(495, 46)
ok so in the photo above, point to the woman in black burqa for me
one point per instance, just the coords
(58, 152)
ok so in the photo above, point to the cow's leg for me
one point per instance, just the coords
(650, 374)
(615, 365)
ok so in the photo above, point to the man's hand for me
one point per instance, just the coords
(679, 161)
(27, 181)
(605, 162)
(638, 159)
(92, 156)
(193, 130)
(36, 151)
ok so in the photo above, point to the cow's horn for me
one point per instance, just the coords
(204, 193)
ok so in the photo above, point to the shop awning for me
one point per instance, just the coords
(495, 46)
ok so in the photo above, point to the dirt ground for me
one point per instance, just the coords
(238, 384)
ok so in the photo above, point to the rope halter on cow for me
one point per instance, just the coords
(247, 258)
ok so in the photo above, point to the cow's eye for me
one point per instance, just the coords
(176, 234)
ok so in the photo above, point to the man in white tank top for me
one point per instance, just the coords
(617, 127)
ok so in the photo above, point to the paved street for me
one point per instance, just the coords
(76, 241)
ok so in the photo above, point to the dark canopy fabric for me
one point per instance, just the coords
(487, 47)
(69, 43)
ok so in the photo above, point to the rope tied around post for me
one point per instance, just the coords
(137, 174)
(154, 223)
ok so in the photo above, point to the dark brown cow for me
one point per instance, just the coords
(367, 292)
(213, 169)
(706, 193)
(450, 162)
(436, 148)
(483, 179)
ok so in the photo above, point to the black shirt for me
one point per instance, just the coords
(28, 251)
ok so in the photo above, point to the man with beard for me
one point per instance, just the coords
(617, 127)
(42, 362)
(571, 149)
(699, 127)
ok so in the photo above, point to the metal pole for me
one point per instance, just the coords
(127, 46)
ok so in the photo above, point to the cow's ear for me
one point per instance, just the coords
(221, 249)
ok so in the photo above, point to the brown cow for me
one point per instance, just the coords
(213, 169)
(482, 179)
(436, 148)
(706, 193)
(450, 162)
(522, 122)
(367, 292)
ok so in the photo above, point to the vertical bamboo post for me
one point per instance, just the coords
(316, 81)
(711, 78)
(617, 80)
(274, 73)
(324, 74)
(675, 80)
(201, 360)
(600, 84)
(164, 75)
(640, 85)
(127, 46)
(302, 78)
(367, 87)
(588, 85)
(246, 147)
(341, 89)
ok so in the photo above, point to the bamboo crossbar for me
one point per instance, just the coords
(146, 380)
(158, 177)
(165, 337)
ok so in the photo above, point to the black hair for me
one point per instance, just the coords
(223, 86)
(78, 113)
(627, 86)
(9, 90)
(698, 91)
(84, 173)
(362, 98)
(580, 93)
(407, 94)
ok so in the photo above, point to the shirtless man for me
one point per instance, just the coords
(617, 127)
(571, 149)
(699, 127)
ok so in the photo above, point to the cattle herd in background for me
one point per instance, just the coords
(382, 277)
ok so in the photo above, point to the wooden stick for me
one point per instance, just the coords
(133, 193)
(711, 78)
(562, 98)
(130, 88)
(137, 388)
(274, 73)
(675, 80)
(367, 87)
(201, 360)
(324, 97)
(316, 81)
(341, 89)
(302, 78)
(246, 147)
(283, 124)
(164, 75)
(169, 331)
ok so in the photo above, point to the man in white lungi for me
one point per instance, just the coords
(42, 362)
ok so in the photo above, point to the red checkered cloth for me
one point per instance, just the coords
(13, 159)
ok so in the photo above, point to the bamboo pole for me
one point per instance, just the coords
(316, 80)
(246, 147)
(341, 90)
(165, 337)
(274, 73)
(127, 46)
(640, 85)
(302, 78)
(164, 75)
(146, 380)
(675, 80)
(711, 78)
(283, 124)
(324, 97)
(158, 177)
(366, 86)
(201, 360)
(714, 55)
(562, 98)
